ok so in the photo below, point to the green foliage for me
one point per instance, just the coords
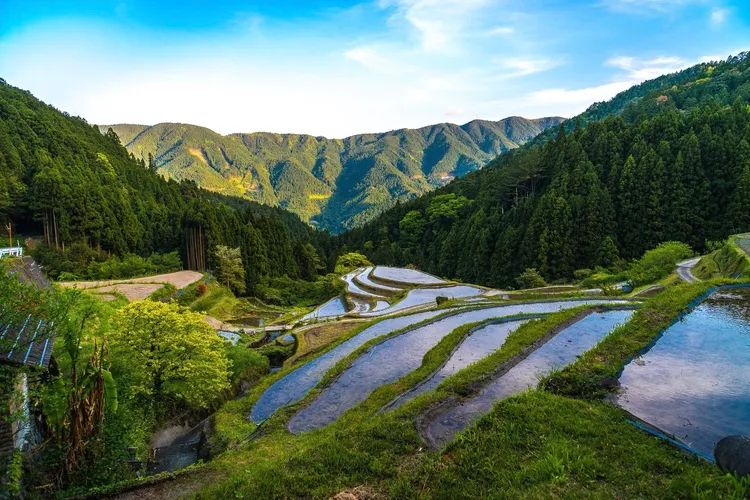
(172, 353)
(246, 364)
(336, 183)
(530, 278)
(104, 214)
(728, 261)
(589, 376)
(229, 269)
(659, 262)
(287, 292)
(350, 261)
(602, 189)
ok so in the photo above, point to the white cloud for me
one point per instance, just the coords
(518, 66)
(370, 58)
(647, 6)
(441, 24)
(718, 16)
(501, 31)
(638, 70)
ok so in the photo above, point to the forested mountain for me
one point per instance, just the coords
(667, 160)
(61, 177)
(335, 183)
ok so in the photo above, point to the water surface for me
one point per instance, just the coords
(558, 352)
(423, 296)
(406, 276)
(479, 344)
(334, 307)
(392, 359)
(296, 384)
(694, 382)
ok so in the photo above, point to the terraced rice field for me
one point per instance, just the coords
(390, 360)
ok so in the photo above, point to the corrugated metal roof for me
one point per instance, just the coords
(27, 342)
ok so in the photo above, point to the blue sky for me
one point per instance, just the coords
(340, 68)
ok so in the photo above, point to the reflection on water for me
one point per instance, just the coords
(694, 383)
(297, 383)
(558, 352)
(334, 307)
(479, 344)
(392, 359)
(422, 296)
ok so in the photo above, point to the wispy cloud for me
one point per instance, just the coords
(638, 70)
(647, 6)
(513, 67)
(501, 31)
(718, 16)
(440, 24)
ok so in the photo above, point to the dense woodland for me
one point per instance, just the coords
(89, 198)
(670, 160)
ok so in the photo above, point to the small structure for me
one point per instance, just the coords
(11, 252)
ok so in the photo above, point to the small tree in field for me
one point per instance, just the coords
(530, 278)
(229, 268)
(171, 351)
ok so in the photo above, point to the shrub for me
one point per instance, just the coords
(350, 261)
(530, 278)
(659, 262)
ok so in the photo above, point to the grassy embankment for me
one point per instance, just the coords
(731, 260)
(536, 444)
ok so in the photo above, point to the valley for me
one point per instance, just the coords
(514, 308)
(333, 183)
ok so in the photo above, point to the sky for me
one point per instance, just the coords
(335, 69)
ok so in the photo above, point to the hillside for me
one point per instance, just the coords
(334, 183)
(667, 160)
(91, 199)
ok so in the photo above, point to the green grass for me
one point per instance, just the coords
(592, 374)
(533, 445)
(729, 261)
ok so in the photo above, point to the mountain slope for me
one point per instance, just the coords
(61, 177)
(665, 160)
(335, 183)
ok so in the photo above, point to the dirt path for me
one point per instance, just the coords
(136, 288)
(684, 269)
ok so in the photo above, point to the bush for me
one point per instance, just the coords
(659, 262)
(530, 278)
(350, 261)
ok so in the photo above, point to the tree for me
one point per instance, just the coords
(350, 261)
(229, 268)
(172, 352)
(530, 278)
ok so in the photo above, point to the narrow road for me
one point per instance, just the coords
(684, 269)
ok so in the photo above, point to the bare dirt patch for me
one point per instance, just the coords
(135, 288)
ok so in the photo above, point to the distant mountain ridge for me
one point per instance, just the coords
(333, 183)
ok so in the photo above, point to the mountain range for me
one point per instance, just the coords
(334, 184)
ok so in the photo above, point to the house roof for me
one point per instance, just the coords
(27, 342)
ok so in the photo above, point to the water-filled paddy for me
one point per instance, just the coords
(392, 359)
(297, 383)
(364, 278)
(406, 276)
(423, 296)
(561, 350)
(334, 307)
(479, 344)
(694, 382)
